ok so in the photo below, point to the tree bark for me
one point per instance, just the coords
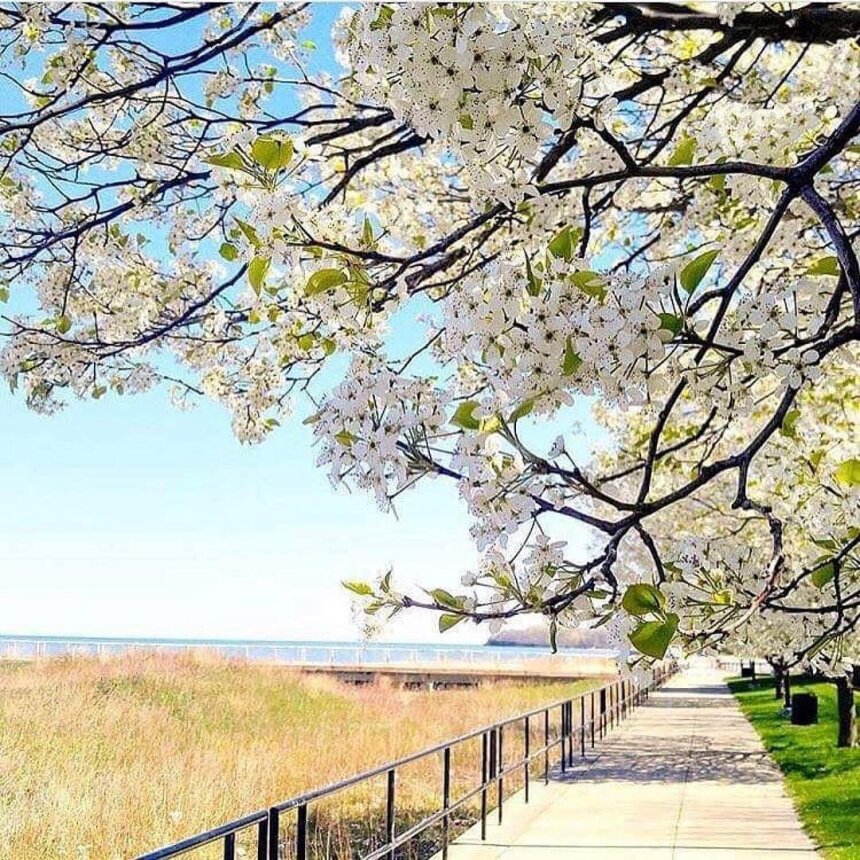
(777, 690)
(845, 709)
(787, 687)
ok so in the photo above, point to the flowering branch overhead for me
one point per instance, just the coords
(647, 208)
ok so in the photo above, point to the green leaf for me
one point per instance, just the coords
(329, 345)
(4, 294)
(787, 427)
(823, 574)
(572, 361)
(671, 323)
(490, 424)
(272, 153)
(652, 638)
(695, 270)
(249, 232)
(383, 19)
(591, 283)
(723, 598)
(561, 245)
(306, 342)
(447, 621)
(360, 588)
(345, 438)
(257, 270)
(522, 410)
(323, 280)
(847, 473)
(463, 416)
(228, 251)
(642, 598)
(230, 160)
(684, 152)
(367, 237)
(825, 266)
(534, 282)
(64, 323)
(445, 598)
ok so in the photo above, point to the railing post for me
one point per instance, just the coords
(582, 725)
(570, 733)
(302, 833)
(230, 846)
(262, 842)
(526, 743)
(546, 746)
(446, 798)
(561, 732)
(389, 810)
(593, 717)
(501, 770)
(274, 821)
(484, 778)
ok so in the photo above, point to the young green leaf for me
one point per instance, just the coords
(848, 473)
(825, 266)
(695, 270)
(257, 270)
(463, 416)
(642, 598)
(323, 280)
(671, 323)
(823, 574)
(572, 361)
(522, 410)
(787, 427)
(360, 588)
(230, 160)
(64, 323)
(228, 251)
(271, 153)
(561, 245)
(534, 284)
(652, 638)
(447, 621)
(684, 152)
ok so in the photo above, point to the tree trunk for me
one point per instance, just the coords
(787, 687)
(845, 708)
(752, 670)
(777, 674)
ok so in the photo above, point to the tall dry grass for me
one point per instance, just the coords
(103, 759)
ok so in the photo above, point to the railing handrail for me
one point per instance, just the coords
(268, 820)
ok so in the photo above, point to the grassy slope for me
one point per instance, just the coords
(824, 780)
(137, 752)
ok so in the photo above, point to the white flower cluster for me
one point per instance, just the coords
(362, 422)
(491, 80)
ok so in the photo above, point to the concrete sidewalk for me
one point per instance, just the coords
(684, 777)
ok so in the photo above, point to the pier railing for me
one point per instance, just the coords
(565, 729)
(299, 654)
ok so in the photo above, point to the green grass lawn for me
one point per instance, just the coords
(824, 780)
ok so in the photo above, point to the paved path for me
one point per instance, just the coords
(684, 777)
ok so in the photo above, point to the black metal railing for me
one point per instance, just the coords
(556, 725)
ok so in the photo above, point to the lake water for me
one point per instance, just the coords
(322, 653)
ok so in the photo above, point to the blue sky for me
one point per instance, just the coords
(127, 517)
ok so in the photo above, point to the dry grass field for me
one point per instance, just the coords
(104, 759)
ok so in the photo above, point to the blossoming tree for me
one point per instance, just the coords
(494, 210)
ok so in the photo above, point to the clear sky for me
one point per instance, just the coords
(127, 517)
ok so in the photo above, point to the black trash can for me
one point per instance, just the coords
(855, 676)
(804, 709)
(746, 671)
